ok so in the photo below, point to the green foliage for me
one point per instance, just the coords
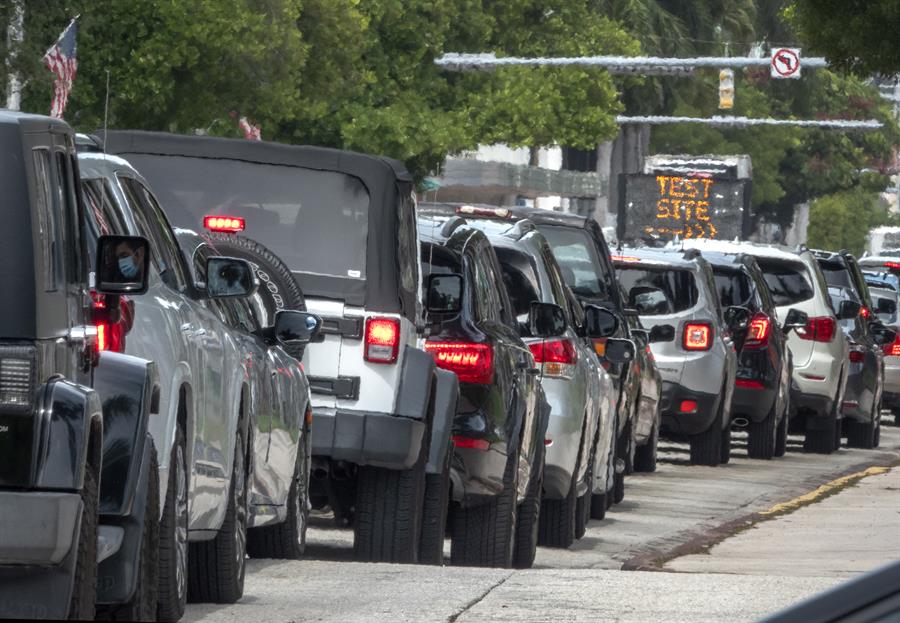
(854, 35)
(843, 219)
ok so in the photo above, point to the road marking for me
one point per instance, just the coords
(827, 488)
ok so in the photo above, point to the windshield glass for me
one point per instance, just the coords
(788, 281)
(316, 221)
(577, 258)
(734, 287)
(677, 287)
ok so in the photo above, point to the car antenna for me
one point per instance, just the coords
(106, 114)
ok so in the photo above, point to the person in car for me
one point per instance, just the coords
(128, 261)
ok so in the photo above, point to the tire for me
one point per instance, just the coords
(529, 516)
(645, 455)
(434, 514)
(781, 434)
(388, 518)
(142, 606)
(583, 503)
(485, 535)
(860, 435)
(763, 435)
(821, 441)
(287, 540)
(84, 588)
(706, 448)
(627, 448)
(878, 434)
(217, 567)
(599, 506)
(173, 544)
(557, 523)
(618, 492)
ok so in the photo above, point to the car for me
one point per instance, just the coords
(675, 293)
(818, 356)
(501, 421)
(377, 433)
(761, 400)
(281, 407)
(78, 501)
(581, 429)
(204, 430)
(880, 279)
(865, 334)
(886, 301)
(583, 255)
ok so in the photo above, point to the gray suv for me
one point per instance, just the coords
(673, 288)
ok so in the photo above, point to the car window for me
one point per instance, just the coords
(492, 265)
(578, 260)
(487, 303)
(836, 274)
(788, 282)
(557, 283)
(734, 287)
(51, 239)
(102, 215)
(68, 208)
(677, 285)
(521, 281)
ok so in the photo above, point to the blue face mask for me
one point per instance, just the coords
(128, 267)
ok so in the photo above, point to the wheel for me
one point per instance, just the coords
(485, 535)
(142, 606)
(583, 503)
(434, 514)
(388, 518)
(861, 434)
(627, 448)
(896, 412)
(645, 455)
(287, 540)
(822, 441)
(84, 589)
(599, 506)
(557, 524)
(781, 434)
(216, 567)
(878, 434)
(763, 436)
(171, 595)
(618, 492)
(706, 447)
(528, 517)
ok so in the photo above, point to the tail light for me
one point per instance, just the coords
(382, 340)
(758, 332)
(857, 356)
(818, 329)
(688, 406)
(470, 442)
(749, 384)
(17, 379)
(226, 224)
(893, 349)
(697, 336)
(557, 357)
(471, 362)
(111, 335)
(865, 312)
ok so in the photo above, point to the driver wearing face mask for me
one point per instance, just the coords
(130, 260)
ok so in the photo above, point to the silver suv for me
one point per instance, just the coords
(673, 288)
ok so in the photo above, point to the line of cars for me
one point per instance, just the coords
(246, 331)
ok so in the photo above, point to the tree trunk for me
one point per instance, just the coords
(534, 156)
(15, 32)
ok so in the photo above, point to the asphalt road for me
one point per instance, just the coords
(610, 574)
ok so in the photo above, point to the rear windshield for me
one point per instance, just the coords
(734, 288)
(578, 261)
(788, 281)
(677, 286)
(316, 221)
(836, 274)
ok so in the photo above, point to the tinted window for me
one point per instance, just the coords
(677, 285)
(49, 227)
(734, 288)
(102, 215)
(577, 257)
(788, 281)
(69, 211)
(487, 303)
(521, 280)
(316, 221)
(836, 274)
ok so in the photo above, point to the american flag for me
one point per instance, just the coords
(62, 60)
(251, 132)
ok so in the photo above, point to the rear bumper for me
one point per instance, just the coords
(817, 411)
(892, 381)
(674, 421)
(38, 550)
(376, 439)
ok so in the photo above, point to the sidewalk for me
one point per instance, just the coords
(852, 531)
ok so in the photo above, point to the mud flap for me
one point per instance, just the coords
(446, 395)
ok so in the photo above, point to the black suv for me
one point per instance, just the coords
(78, 473)
(865, 333)
(502, 414)
(761, 399)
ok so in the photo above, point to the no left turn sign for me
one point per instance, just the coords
(785, 63)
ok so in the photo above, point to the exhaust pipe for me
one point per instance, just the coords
(740, 422)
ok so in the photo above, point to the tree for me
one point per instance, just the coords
(842, 220)
(854, 35)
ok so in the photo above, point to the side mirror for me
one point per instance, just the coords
(886, 306)
(737, 318)
(848, 310)
(599, 322)
(662, 333)
(649, 300)
(296, 326)
(546, 320)
(619, 351)
(795, 319)
(229, 276)
(444, 293)
(123, 265)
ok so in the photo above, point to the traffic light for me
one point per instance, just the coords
(726, 89)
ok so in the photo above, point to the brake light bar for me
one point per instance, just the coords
(749, 384)
(758, 332)
(226, 224)
(892, 265)
(470, 442)
(494, 212)
(471, 362)
(818, 329)
(382, 341)
(697, 336)
(625, 258)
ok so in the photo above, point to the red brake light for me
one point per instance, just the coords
(758, 332)
(857, 356)
(557, 358)
(697, 336)
(893, 349)
(382, 340)
(892, 265)
(818, 329)
(102, 336)
(470, 442)
(865, 312)
(748, 384)
(227, 224)
(471, 362)
(688, 406)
